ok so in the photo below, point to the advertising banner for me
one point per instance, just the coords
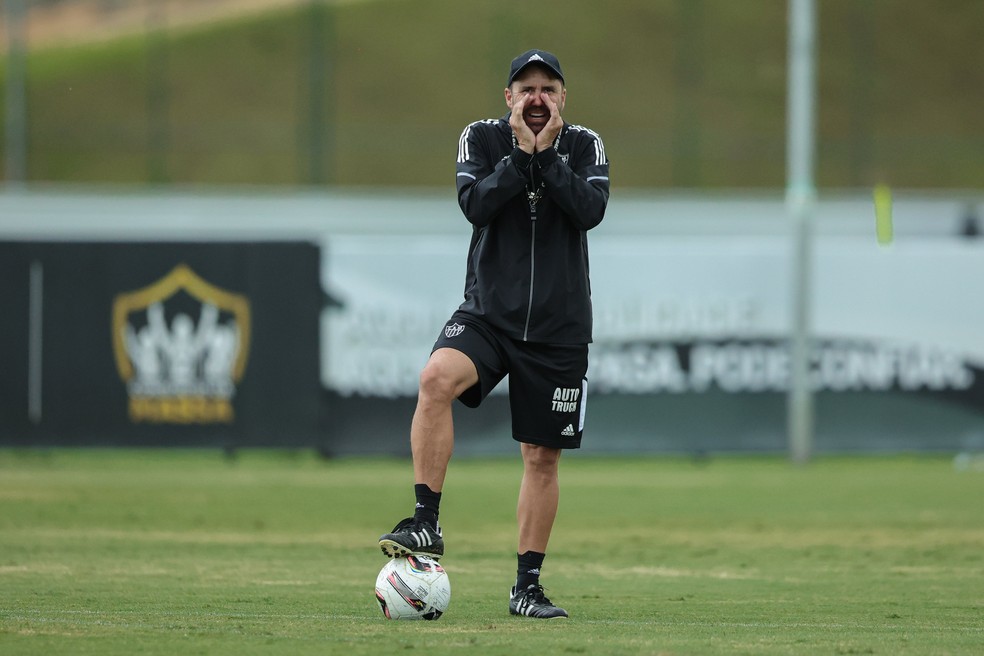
(174, 344)
(690, 348)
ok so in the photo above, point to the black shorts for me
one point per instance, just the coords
(547, 382)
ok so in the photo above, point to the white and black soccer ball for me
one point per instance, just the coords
(413, 588)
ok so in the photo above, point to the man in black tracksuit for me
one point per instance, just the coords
(532, 186)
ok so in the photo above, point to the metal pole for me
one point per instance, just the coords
(158, 92)
(316, 129)
(800, 202)
(35, 342)
(15, 115)
(316, 94)
(688, 73)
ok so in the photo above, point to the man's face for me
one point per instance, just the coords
(531, 82)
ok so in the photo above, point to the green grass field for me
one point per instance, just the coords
(186, 552)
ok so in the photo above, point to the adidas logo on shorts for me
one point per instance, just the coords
(569, 431)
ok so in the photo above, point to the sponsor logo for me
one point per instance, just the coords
(181, 346)
(569, 431)
(763, 365)
(565, 399)
(453, 330)
(534, 57)
(564, 158)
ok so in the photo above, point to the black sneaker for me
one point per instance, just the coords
(413, 538)
(532, 603)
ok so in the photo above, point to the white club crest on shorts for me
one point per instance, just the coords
(453, 330)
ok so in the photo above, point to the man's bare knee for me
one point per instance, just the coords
(437, 383)
(446, 375)
(541, 459)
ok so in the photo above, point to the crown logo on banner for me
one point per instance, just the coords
(181, 346)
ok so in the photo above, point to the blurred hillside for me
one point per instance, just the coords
(64, 22)
(686, 93)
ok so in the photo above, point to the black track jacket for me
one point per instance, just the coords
(527, 269)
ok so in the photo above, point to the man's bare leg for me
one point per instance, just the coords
(539, 497)
(447, 374)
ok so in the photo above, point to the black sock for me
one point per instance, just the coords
(428, 504)
(528, 572)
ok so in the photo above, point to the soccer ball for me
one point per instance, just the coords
(413, 588)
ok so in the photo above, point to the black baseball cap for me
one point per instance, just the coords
(542, 57)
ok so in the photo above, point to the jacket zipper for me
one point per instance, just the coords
(529, 307)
